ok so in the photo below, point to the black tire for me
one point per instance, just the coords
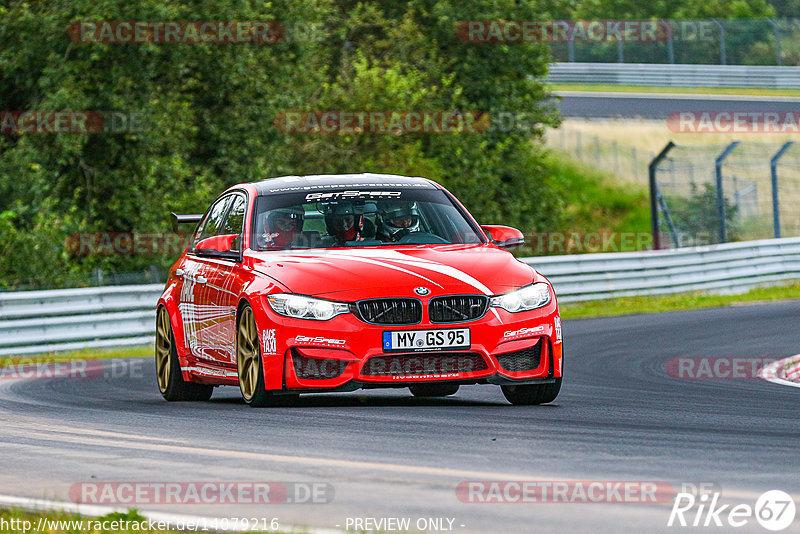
(530, 394)
(177, 389)
(433, 390)
(248, 337)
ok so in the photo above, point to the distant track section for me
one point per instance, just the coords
(611, 104)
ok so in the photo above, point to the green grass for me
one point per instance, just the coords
(593, 206)
(677, 302)
(754, 91)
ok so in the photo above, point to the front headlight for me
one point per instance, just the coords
(523, 299)
(301, 307)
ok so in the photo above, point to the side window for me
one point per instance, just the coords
(234, 224)
(213, 221)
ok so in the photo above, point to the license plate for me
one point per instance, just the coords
(416, 340)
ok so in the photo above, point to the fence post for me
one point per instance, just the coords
(722, 52)
(670, 50)
(654, 194)
(777, 30)
(597, 150)
(723, 224)
(773, 169)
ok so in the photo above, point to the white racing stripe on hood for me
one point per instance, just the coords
(301, 259)
(403, 259)
(372, 261)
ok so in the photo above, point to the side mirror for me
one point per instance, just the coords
(185, 219)
(504, 236)
(220, 246)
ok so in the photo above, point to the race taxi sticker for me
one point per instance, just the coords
(557, 323)
(270, 341)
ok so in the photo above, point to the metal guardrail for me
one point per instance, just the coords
(69, 319)
(44, 321)
(730, 267)
(658, 74)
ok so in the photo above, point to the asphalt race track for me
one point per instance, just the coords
(620, 417)
(591, 104)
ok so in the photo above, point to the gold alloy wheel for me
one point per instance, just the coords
(163, 349)
(248, 354)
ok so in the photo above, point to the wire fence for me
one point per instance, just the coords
(756, 41)
(734, 192)
(628, 164)
(99, 277)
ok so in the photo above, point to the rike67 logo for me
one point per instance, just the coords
(774, 510)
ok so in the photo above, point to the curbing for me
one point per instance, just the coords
(785, 372)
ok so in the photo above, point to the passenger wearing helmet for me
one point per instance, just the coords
(283, 226)
(396, 220)
(344, 222)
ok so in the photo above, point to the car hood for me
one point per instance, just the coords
(353, 274)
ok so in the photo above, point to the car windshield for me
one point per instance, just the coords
(359, 218)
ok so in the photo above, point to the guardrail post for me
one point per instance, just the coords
(723, 224)
(654, 194)
(773, 169)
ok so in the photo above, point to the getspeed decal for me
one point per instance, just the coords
(344, 195)
(523, 332)
(319, 340)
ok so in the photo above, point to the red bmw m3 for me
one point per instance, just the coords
(333, 283)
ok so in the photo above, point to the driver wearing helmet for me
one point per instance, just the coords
(396, 220)
(344, 222)
(283, 226)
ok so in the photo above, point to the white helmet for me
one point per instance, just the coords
(397, 219)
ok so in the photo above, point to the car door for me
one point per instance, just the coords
(195, 305)
(223, 288)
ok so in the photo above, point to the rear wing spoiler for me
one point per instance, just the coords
(185, 219)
